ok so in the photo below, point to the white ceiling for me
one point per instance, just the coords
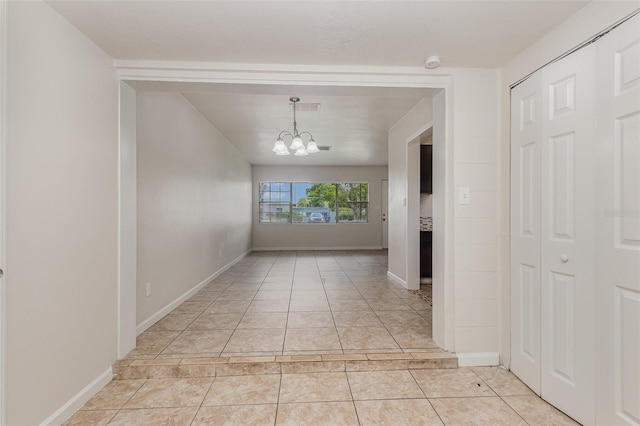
(354, 121)
(393, 33)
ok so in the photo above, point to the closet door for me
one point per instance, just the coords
(526, 108)
(567, 235)
(618, 226)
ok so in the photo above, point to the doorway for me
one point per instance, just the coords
(384, 213)
(442, 318)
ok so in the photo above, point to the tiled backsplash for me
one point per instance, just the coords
(426, 224)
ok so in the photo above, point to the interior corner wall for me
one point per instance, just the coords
(475, 246)
(193, 200)
(128, 222)
(272, 236)
(61, 192)
(584, 24)
(408, 127)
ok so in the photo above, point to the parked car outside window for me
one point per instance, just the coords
(316, 217)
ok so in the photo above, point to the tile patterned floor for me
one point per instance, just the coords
(292, 303)
(464, 396)
(328, 310)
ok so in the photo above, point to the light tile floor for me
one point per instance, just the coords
(464, 396)
(293, 303)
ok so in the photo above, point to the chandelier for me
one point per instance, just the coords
(297, 144)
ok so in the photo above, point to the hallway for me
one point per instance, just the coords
(295, 303)
(314, 338)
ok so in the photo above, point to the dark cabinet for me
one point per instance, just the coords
(425, 253)
(426, 169)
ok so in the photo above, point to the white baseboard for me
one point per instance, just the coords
(397, 279)
(63, 413)
(144, 325)
(317, 248)
(478, 359)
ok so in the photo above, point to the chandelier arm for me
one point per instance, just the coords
(308, 133)
(284, 133)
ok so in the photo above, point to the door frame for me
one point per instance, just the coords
(384, 186)
(127, 220)
(295, 75)
(413, 208)
(3, 158)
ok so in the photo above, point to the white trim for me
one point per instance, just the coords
(63, 413)
(144, 325)
(216, 72)
(417, 134)
(4, 20)
(127, 220)
(393, 277)
(412, 210)
(349, 76)
(317, 248)
(478, 359)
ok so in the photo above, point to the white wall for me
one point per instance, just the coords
(471, 158)
(587, 22)
(127, 227)
(475, 143)
(340, 235)
(194, 200)
(61, 272)
(407, 129)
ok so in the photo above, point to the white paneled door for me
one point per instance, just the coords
(575, 230)
(525, 231)
(567, 235)
(618, 226)
(552, 236)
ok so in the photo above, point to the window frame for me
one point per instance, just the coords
(291, 203)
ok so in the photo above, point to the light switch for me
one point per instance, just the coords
(464, 195)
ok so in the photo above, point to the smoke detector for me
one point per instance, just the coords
(432, 62)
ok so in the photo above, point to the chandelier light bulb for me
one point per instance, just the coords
(279, 146)
(296, 143)
(283, 152)
(312, 147)
(301, 152)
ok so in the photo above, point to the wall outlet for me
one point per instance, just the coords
(148, 287)
(464, 195)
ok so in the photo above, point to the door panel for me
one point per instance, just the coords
(562, 186)
(627, 176)
(525, 231)
(562, 339)
(567, 244)
(618, 226)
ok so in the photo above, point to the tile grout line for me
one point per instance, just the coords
(333, 319)
(286, 325)
(203, 399)
(426, 397)
(353, 401)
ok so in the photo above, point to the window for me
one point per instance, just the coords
(312, 203)
(352, 202)
(275, 202)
